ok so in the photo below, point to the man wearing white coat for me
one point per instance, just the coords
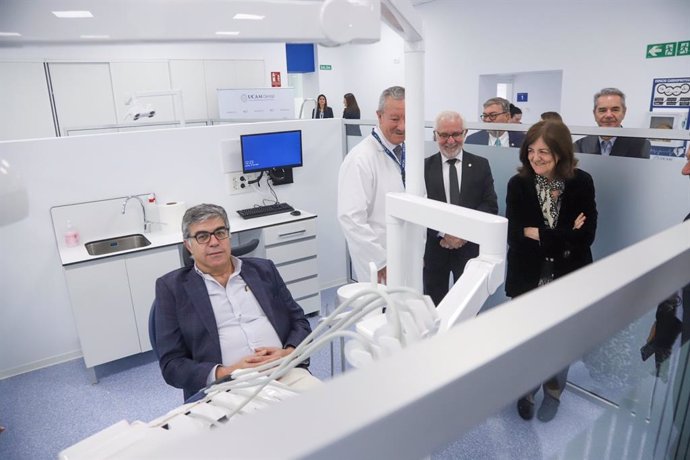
(373, 168)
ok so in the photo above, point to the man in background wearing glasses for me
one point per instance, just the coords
(223, 313)
(459, 178)
(496, 110)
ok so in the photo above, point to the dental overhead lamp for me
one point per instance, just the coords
(138, 110)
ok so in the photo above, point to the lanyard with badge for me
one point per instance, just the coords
(400, 163)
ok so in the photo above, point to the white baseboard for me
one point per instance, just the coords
(40, 364)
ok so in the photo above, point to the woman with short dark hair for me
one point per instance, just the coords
(552, 221)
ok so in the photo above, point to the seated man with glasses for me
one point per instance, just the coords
(223, 313)
(496, 110)
(459, 178)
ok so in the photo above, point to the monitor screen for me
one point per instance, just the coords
(267, 151)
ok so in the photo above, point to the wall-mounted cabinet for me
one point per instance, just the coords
(93, 94)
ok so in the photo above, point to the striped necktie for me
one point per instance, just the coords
(606, 147)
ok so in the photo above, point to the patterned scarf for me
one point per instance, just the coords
(549, 194)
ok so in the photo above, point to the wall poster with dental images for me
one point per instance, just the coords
(669, 109)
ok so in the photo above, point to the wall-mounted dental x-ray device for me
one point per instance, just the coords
(668, 119)
(138, 109)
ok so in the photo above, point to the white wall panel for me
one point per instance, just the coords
(188, 76)
(24, 103)
(231, 74)
(131, 77)
(83, 94)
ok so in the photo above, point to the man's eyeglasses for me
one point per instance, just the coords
(444, 136)
(222, 233)
(490, 116)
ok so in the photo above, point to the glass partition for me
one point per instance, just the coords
(635, 200)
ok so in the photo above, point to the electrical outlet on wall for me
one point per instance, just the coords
(239, 182)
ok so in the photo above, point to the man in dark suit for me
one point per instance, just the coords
(223, 313)
(496, 110)
(460, 178)
(609, 112)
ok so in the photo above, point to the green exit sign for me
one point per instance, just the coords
(660, 50)
(325, 67)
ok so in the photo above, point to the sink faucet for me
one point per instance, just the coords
(147, 223)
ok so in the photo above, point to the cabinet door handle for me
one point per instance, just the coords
(291, 233)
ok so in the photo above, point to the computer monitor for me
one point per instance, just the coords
(271, 151)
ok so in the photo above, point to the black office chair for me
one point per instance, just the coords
(237, 251)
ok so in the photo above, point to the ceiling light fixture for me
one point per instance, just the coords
(10, 34)
(73, 14)
(250, 17)
(92, 37)
(227, 32)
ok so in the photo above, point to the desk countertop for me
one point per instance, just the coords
(78, 254)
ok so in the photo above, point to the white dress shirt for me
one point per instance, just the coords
(504, 139)
(242, 323)
(445, 167)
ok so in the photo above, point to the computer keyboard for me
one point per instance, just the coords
(260, 211)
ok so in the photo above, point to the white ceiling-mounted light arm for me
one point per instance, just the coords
(344, 21)
(400, 16)
(178, 104)
(482, 275)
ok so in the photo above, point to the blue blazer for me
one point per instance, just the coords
(186, 331)
(482, 138)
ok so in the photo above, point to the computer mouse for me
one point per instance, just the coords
(295, 213)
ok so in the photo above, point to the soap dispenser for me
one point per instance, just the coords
(71, 235)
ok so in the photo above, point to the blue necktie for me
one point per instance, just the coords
(606, 147)
(497, 142)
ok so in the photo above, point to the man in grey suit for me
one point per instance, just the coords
(496, 110)
(609, 112)
(459, 178)
(223, 313)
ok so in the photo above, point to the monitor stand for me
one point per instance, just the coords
(280, 176)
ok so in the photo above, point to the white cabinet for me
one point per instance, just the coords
(111, 299)
(143, 269)
(292, 247)
(102, 309)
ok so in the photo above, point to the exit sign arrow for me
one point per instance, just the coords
(654, 50)
(660, 50)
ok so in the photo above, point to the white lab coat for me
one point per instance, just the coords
(366, 176)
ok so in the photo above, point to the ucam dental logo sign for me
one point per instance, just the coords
(256, 104)
(256, 97)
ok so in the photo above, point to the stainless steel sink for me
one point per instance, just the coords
(116, 244)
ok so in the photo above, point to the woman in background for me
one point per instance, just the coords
(552, 221)
(351, 111)
(322, 110)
